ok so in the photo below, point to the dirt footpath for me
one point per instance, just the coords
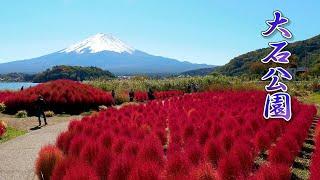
(30, 123)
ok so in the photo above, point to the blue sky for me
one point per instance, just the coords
(201, 31)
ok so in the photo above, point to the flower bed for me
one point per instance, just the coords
(143, 96)
(61, 96)
(4, 95)
(211, 134)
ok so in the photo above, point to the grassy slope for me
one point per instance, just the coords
(313, 98)
(10, 134)
(304, 53)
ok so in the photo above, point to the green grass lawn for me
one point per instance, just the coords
(314, 98)
(10, 134)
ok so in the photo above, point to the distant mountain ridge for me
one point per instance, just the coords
(106, 52)
(305, 53)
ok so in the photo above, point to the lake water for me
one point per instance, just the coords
(15, 85)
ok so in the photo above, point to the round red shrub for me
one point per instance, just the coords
(132, 149)
(118, 145)
(245, 157)
(195, 154)
(152, 151)
(273, 172)
(262, 141)
(226, 141)
(121, 168)
(61, 167)
(4, 95)
(189, 132)
(106, 140)
(48, 157)
(204, 172)
(63, 141)
(89, 151)
(102, 163)
(80, 171)
(61, 95)
(146, 171)
(281, 154)
(229, 167)
(76, 145)
(213, 152)
(178, 167)
(3, 128)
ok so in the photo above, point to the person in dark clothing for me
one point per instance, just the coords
(41, 105)
(189, 88)
(113, 94)
(21, 88)
(131, 95)
(150, 94)
(195, 87)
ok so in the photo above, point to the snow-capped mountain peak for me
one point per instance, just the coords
(98, 43)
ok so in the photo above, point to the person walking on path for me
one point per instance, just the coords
(41, 105)
(113, 94)
(150, 94)
(131, 95)
(189, 88)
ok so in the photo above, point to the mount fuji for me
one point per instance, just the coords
(104, 51)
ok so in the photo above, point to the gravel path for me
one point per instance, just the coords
(17, 156)
(29, 123)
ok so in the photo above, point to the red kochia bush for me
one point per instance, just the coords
(121, 168)
(89, 152)
(61, 95)
(49, 156)
(140, 96)
(76, 145)
(167, 94)
(262, 141)
(103, 162)
(213, 152)
(244, 156)
(152, 151)
(4, 95)
(80, 171)
(315, 166)
(229, 167)
(204, 172)
(145, 171)
(143, 96)
(2, 129)
(272, 172)
(195, 154)
(64, 140)
(178, 167)
(315, 162)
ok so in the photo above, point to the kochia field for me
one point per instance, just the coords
(209, 135)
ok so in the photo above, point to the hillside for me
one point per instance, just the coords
(304, 54)
(199, 72)
(76, 73)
